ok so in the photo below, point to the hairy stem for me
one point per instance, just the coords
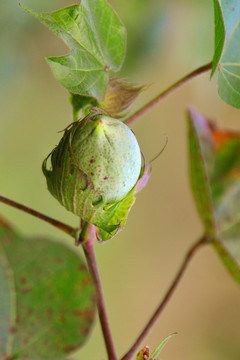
(58, 224)
(167, 297)
(87, 238)
(152, 103)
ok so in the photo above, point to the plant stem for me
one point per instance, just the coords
(167, 92)
(87, 240)
(192, 251)
(58, 224)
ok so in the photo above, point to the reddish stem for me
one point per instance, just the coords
(152, 103)
(58, 224)
(135, 347)
(87, 238)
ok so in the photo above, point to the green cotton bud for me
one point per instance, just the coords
(96, 165)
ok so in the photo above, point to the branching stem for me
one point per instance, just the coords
(135, 347)
(58, 224)
(155, 101)
(87, 239)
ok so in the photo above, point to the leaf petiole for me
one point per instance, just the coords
(58, 224)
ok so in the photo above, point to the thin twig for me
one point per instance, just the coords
(87, 238)
(58, 224)
(167, 92)
(135, 347)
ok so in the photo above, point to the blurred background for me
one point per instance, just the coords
(166, 40)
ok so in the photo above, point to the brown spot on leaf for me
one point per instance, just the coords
(105, 178)
(23, 279)
(70, 348)
(83, 314)
(7, 240)
(49, 312)
(13, 330)
(25, 341)
(26, 291)
(83, 331)
(62, 316)
(60, 260)
(81, 267)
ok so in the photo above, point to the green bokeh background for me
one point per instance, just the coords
(166, 40)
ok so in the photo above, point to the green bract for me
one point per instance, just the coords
(94, 170)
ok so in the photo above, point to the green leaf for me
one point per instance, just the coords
(221, 159)
(113, 218)
(96, 37)
(157, 351)
(80, 102)
(228, 249)
(200, 161)
(51, 300)
(219, 35)
(228, 55)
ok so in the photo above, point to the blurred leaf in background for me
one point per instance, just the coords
(47, 298)
(14, 26)
(215, 174)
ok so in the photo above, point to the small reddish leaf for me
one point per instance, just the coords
(143, 354)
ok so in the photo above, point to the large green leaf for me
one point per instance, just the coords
(221, 159)
(96, 37)
(227, 50)
(51, 298)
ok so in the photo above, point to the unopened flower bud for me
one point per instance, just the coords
(96, 164)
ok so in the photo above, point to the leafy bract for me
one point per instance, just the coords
(144, 354)
(159, 348)
(119, 96)
(47, 298)
(227, 50)
(219, 156)
(81, 103)
(96, 37)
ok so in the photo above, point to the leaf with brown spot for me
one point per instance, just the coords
(47, 298)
